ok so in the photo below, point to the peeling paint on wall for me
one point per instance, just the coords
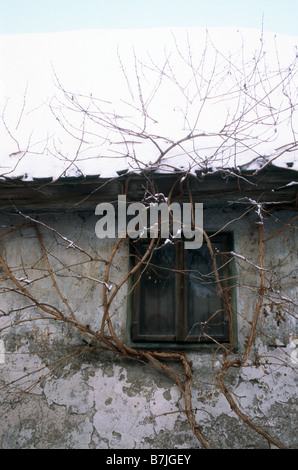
(96, 400)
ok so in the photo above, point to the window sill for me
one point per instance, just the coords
(187, 347)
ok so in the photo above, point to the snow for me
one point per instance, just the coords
(51, 84)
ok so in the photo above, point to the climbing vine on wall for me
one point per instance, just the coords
(261, 101)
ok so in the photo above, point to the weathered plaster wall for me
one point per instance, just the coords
(96, 400)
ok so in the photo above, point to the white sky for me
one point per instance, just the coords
(37, 16)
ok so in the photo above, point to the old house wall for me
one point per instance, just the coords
(95, 399)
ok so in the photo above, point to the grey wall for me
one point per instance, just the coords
(98, 400)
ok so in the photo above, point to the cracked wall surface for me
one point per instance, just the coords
(98, 400)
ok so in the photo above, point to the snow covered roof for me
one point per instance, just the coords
(104, 102)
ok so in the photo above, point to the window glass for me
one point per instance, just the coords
(205, 313)
(157, 293)
(176, 297)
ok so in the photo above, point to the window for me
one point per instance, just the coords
(176, 298)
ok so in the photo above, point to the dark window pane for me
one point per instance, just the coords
(157, 294)
(176, 296)
(204, 304)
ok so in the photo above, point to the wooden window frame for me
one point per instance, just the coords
(180, 338)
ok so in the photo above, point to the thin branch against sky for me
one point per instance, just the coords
(37, 16)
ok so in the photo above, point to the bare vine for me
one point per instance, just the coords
(260, 102)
